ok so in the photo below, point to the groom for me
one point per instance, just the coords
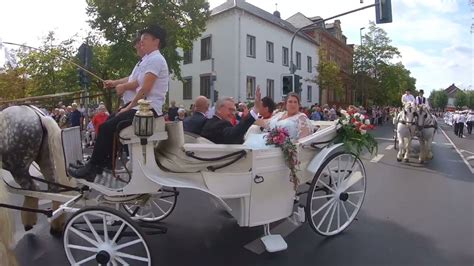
(219, 130)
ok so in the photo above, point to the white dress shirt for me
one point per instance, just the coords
(155, 64)
(406, 98)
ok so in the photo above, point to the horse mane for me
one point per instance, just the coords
(56, 150)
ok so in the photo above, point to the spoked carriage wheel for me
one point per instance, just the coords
(155, 207)
(104, 236)
(336, 194)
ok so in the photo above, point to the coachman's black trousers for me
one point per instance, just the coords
(102, 154)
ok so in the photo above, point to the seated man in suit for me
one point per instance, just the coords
(219, 130)
(195, 123)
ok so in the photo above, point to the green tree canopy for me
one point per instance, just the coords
(470, 99)
(377, 79)
(461, 100)
(328, 75)
(438, 99)
(121, 20)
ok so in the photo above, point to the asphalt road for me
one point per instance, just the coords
(412, 215)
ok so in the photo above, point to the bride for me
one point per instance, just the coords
(297, 124)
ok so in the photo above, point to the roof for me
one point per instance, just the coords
(260, 13)
(451, 89)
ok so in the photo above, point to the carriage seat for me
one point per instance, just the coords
(127, 135)
(184, 151)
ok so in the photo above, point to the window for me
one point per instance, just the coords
(271, 88)
(250, 87)
(298, 60)
(310, 93)
(205, 89)
(285, 56)
(187, 88)
(206, 48)
(251, 52)
(310, 64)
(188, 56)
(270, 52)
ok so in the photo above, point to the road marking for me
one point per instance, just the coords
(389, 147)
(377, 158)
(458, 151)
(467, 151)
(470, 158)
(388, 139)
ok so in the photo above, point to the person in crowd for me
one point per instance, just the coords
(296, 123)
(75, 116)
(470, 122)
(128, 93)
(152, 79)
(99, 118)
(407, 97)
(181, 115)
(461, 122)
(243, 111)
(62, 122)
(317, 115)
(219, 129)
(195, 123)
(455, 119)
(90, 134)
(173, 111)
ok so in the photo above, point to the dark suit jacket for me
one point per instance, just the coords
(194, 123)
(221, 131)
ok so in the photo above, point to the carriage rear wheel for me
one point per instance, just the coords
(104, 236)
(154, 207)
(336, 193)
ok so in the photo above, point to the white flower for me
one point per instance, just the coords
(344, 112)
(363, 131)
(345, 121)
(362, 117)
(367, 121)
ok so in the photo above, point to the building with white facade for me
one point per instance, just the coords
(248, 47)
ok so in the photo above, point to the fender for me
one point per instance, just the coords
(319, 158)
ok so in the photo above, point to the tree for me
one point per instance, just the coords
(329, 77)
(460, 100)
(120, 20)
(470, 99)
(438, 99)
(377, 79)
(13, 84)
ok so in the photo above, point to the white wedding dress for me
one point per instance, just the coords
(298, 126)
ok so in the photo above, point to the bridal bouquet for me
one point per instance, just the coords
(281, 138)
(353, 132)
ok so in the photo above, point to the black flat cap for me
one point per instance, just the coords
(157, 32)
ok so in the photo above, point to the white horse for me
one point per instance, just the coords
(427, 126)
(406, 125)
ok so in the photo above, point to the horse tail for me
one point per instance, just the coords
(6, 231)
(56, 150)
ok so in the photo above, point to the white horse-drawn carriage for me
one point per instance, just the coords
(111, 217)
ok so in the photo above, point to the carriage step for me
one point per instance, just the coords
(274, 243)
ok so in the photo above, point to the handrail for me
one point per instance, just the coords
(191, 154)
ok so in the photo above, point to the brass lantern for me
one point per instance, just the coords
(143, 122)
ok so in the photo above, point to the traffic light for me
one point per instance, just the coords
(383, 11)
(287, 84)
(216, 95)
(84, 78)
(298, 83)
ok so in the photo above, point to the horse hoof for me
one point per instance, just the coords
(28, 228)
(399, 160)
(56, 233)
(407, 160)
(422, 162)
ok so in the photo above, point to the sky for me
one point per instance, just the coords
(433, 36)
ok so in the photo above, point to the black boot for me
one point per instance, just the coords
(88, 172)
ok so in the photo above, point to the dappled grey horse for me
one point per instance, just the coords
(406, 126)
(27, 136)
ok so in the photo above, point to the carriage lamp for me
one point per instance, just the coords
(143, 123)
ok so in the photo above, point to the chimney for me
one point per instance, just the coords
(277, 14)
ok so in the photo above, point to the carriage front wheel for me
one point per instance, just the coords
(336, 193)
(104, 236)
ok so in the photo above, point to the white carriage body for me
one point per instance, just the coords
(254, 189)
